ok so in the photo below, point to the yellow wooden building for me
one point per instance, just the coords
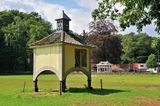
(61, 53)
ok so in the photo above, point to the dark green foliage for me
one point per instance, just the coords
(136, 47)
(156, 44)
(134, 12)
(17, 31)
(152, 62)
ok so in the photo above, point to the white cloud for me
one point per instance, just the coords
(49, 11)
(80, 20)
(4, 7)
(89, 4)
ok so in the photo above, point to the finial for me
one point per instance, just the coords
(84, 33)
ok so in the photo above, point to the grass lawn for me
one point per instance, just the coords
(118, 90)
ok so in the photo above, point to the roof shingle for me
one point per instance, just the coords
(57, 38)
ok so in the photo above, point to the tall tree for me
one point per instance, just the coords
(17, 30)
(136, 48)
(16, 39)
(152, 62)
(128, 48)
(156, 47)
(108, 46)
(132, 12)
(156, 44)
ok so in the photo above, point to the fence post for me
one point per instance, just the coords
(101, 84)
(24, 86)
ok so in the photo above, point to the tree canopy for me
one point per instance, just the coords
(156, 44)
(17, 30)
(130, 12)
(152, 62)
(108, 45)
(102, 27)
(135, 47)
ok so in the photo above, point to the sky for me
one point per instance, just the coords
(78, 10)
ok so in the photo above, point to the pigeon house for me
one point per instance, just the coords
(61, 53)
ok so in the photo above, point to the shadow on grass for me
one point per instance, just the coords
(96, 91)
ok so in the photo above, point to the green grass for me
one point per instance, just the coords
(118, 90)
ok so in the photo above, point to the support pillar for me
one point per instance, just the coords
(62, 86)
(64, 82)
(60, 89)
(89, 84)
(35, 86)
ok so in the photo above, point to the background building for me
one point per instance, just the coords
(104, 67)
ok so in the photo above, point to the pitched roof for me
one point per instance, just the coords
(63, 16)
(104, 63)
(59, 37)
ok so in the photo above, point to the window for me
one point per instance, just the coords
(84, 58)
(77, 57)
(80, 58)
(141, 65)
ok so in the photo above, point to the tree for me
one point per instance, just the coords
(16, 39)
(17, 30)
(156, 44)
(108, 46)
(134, 48)
(102, 27)
(132, 12)
(151, 62)
(128, 48)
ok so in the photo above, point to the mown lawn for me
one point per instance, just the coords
(118, 90)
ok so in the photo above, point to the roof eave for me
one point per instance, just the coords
(38, 46)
